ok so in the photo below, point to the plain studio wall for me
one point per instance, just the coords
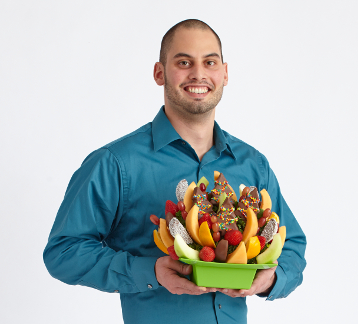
(75, 75)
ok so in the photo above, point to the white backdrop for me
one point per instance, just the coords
(75, 75)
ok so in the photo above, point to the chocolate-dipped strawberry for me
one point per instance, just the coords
(205, 206)
(226, 217)
(251, 199)
(221, 186)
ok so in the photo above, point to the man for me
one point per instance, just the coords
(102, 235)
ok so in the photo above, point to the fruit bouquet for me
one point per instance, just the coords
(225, 238)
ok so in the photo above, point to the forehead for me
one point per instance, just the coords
(195, 42)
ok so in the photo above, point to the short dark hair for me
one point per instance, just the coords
(189, 23)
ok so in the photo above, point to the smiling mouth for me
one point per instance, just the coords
(198, 90)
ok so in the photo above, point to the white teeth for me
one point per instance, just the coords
(198, 90)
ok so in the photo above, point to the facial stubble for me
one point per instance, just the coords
(192, 107)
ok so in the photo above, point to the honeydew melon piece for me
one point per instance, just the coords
(204, 181)
(165, 235)
(273, 251)
(253, 247)
(251, 225)
(239, 255)
(282, 232)
(222, 198)
(265, 200)
(158, 241)
(188, 202)
(183, 250)
(205, 236)
(216, 176)
(192, 224)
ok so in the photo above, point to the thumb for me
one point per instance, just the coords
(183, 268)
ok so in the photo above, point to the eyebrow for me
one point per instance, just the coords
(189, 56)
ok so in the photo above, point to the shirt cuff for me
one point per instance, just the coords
(279, 285)
(143, 273)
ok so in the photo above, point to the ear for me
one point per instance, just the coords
(158, 73)
(226, 76)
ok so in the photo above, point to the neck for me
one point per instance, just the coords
(197, 130)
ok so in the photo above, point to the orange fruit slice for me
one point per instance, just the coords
(205, 236)
(253, 247)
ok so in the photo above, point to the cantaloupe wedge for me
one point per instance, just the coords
(216, 176)
(192, 224)
(282, 232)
(251, 225)
(238, 256)
(165, 235)
(265, 200)
(205, 236)
(188, 202)
(158, 241)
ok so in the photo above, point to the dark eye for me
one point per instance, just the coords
(211, 63)
(184, 63)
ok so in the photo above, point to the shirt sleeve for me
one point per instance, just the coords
(291, 262)
(76, 252)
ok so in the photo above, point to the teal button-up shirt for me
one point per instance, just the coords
(102, 236)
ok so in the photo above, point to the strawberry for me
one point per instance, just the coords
(262, 241)
(234, 237)
(170, 207)
(207, 254)
(172, 253)
(205, 218)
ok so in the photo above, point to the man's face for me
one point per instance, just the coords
(194, 75)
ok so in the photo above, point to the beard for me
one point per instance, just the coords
(195, 106)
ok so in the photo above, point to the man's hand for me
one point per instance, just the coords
(262, 284)
(168, 273)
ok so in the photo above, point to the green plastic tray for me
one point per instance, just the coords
(224, 275)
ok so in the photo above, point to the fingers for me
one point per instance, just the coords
(231, 292)
(167, 272)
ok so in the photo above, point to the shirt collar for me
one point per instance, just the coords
(221, 141)
(164, 133)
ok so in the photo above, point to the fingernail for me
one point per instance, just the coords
(225, 290)
(202, 288)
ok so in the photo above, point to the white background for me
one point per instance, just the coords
(75, 75)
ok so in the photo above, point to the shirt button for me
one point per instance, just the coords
(183, 142)
(116, 291)
(150, 286)
(219, 306)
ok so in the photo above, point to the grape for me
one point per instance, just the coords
(214, 219)
(262, 221)
(154, 219)
(267, 213)
(202, 187)
(216, 236)
(184, 214)
(215, 227)
(181, 205)
(245, 191)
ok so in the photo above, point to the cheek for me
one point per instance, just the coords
(218, 77)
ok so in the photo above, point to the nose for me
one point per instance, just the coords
(197, 72)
